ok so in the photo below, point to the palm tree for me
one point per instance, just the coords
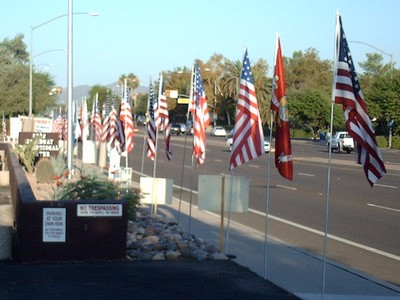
(132, 83)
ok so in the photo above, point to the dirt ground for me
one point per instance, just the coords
(42, 191)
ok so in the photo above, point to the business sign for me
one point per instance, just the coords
(99, 210)
(183, 100)
(48, 143)
(54, 224)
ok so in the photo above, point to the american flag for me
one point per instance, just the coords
(347, 92)
(76, 126)
(84, 119)
(65, 128)
(96, 119)
(106, 120)
(115, 134)
(127, 121)
(283, 147)
(248, 137)
(164, 116)
(152, 127)
(201, 119)
(58, 126)
(4, 124)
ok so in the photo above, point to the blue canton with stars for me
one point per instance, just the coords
(246, 70)
(345, 56)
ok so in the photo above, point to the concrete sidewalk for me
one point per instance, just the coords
(293, 269)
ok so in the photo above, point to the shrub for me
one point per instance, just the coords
(382, 141)
(44, 170)
(59, 164)
(27, 153)
(93, 187)
(396, 142)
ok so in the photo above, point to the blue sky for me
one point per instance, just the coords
(144, 37)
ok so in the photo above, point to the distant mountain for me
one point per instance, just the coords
(83, 91)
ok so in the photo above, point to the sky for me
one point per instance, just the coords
(146, 37)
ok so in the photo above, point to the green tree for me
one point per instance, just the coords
(102, 93)
(307, 70)
(14, 81)
(380, 85)
(310, 109)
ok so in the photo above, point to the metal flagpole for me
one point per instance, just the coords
(185, 144)
(125, 99)
(336, 53)
(154, 201)
(193, 79)
(145, 133)
(271, 122)
(229, 212)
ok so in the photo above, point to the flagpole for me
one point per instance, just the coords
(145, 132)
(271, 122)
(191, 94)
(95, 129)
(336, 44)
(126, 99)
(185, 144)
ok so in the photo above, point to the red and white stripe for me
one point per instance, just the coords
(96, 119)
(248, 137)
(152, 127)
(127, 121)
(347, 92)
(164, 116)
(201, 119)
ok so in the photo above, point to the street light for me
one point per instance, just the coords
(31, 56)
(388, 54)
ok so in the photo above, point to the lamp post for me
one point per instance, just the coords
(384, 52)
(31, 56)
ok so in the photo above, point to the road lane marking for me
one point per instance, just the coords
(306, 174)
(383, 207)
(388, 186)
(286, 187)
(333, 237)
(253, 166)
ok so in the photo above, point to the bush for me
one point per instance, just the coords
(93, 187)
(382, 141)
(27, 153)
(396, 142)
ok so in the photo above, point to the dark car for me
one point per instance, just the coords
(178, 128)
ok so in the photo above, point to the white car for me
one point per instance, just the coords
(219, 131)
(229, 143)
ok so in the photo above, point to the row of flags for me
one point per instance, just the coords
(158, 119)
(116, 129)
(248, 137)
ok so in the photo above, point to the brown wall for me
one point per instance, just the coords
(86, 238)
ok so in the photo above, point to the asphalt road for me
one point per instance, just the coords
(363, 223)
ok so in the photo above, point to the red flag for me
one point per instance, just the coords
(201, 119)
(248, 137)
(283, 147)
(347, 92)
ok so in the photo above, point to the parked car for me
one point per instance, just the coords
(229, 143)
(141, 120)
(178, 128)
(341, 141)
(219, 131)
